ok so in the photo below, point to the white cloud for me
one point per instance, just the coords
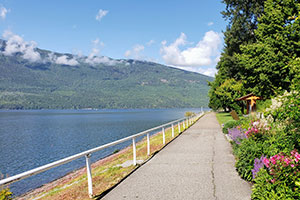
(210, 23)
(97, 42)
(16, 44)
(101, 13)
(135, 52)
(202, 54)
(208, 72)
(95, 58)
(138, 48)
(150, 42)
(127, 53)
(64, 60)
(3, 12)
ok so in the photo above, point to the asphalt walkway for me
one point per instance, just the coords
(197, 165)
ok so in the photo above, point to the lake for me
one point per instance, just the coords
(29, 139)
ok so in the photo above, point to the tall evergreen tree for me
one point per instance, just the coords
(265, 64)
(242, 16)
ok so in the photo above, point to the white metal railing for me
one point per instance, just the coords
(187, 121)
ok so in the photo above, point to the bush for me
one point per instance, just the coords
(237, 134)
(5, 194)
(245, 153)
(230, 124)
(189, 114)
(254, 147)
(279, 179)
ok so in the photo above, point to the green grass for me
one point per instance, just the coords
(223, 117)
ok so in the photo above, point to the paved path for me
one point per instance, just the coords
(197, 165)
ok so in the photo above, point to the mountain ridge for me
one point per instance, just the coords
(66, 81)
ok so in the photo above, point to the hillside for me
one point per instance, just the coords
(108, 84)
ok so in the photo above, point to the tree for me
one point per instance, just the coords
(265, 63)
(228, 92)
(242, 16)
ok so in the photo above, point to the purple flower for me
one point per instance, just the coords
(236, 135)
(258, 163)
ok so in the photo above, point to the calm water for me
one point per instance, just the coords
(29, 139)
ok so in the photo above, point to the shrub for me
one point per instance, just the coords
(230, 124)
(280, 179)
(254, 147)
(258, 164)
(236, 134)
(5, 194)
(245, 153)
(189, 114)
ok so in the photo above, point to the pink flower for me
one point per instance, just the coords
(297, 157)
(273, 161)
(277, 157)
(266, 162)
(292, 165)
(287, 161)
(273, 180)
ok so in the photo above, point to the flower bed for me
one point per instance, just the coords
(266, 147)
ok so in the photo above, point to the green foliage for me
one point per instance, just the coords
(263, 189)
(223, 117)
(280, 179)
(245, 153)
(126, 84)
(224, 95)
(228, 92)
(189, 114)
(264, 64)
(230, 124)
(262, 105)
(269, 143)
(5, 194)
(242, 17)
(262, 48)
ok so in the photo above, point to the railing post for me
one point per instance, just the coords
(148, 144)
(89, 175)
(172, 130)
(179, 127)
(183, 124)
(134, 151)
(164, 136)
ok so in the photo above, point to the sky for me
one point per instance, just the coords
(186, 34)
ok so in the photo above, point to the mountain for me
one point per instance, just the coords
(64, 81)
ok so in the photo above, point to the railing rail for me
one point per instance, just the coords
(187, 121)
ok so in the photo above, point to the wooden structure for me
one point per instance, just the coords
(250, 101)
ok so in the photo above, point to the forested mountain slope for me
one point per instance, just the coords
(109, 84)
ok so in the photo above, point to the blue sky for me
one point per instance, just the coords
(182, 33)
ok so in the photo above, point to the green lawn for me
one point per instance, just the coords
(223, 117)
